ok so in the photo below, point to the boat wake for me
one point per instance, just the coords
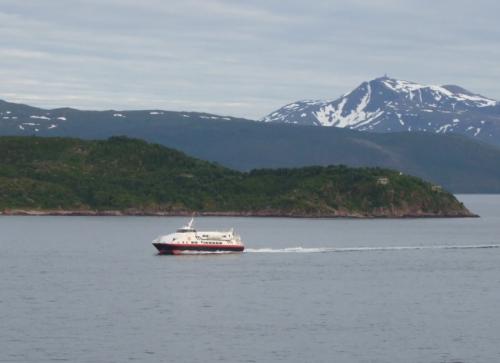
(364, 249)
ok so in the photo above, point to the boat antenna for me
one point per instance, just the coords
(190, 224)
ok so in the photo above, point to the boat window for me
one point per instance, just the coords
(185, 230)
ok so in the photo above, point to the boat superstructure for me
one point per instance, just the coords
(187, 239)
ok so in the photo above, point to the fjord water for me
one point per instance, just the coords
(92, 289)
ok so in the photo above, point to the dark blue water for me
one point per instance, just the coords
(90, 289)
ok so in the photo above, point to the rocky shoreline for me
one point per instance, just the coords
(383, 214)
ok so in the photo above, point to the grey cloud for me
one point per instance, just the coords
(234, 57)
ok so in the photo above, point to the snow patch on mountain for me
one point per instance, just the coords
(439, 92)
(390, 105)
(40, 117)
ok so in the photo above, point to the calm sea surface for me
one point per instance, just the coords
(90, 289)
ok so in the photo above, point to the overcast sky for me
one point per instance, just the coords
(242, 58)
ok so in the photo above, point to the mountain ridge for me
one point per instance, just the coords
(386, 104)
(23, 119)
(456, 162)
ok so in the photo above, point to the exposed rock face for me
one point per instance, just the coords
(391, 105)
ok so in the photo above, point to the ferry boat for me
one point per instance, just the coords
(188, 240)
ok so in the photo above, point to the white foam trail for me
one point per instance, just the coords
(291, 249)
(362, 249)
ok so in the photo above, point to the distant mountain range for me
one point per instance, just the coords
(20, 119)
(456, 162)
(391, 105)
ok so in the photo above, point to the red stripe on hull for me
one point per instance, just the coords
(171, 249)
(199, 245)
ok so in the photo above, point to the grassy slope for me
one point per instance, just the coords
(126, 174)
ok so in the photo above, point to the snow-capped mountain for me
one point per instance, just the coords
(390, 105)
